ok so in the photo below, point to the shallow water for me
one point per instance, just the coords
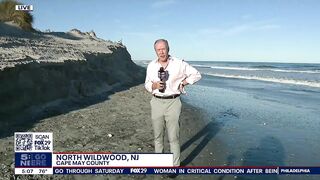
(260, 130)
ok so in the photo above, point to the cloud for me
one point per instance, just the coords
(269, 26)
(243, 28)
(237, 29)
(162, 3)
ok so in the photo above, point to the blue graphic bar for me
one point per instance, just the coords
(189, 170)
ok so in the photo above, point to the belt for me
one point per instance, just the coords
(167, 97)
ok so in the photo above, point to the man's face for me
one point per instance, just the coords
(162, 51)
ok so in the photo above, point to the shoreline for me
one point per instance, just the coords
(125, 115)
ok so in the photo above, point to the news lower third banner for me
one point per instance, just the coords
(34, 155)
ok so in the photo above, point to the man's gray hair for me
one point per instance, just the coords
(161, 40)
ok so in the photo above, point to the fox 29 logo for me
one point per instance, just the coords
(33, 160)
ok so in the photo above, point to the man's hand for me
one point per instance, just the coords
(158, 85)
(182, 85)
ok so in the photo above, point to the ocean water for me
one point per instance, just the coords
(268, 113)
(307, 75)
(290, 83)
(265, 114)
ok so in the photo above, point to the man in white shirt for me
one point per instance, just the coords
(165, 103)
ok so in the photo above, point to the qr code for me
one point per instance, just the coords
(24, 142)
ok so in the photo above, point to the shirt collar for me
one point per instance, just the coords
(169, 59)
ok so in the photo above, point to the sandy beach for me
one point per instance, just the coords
(125, 115)
(87, 96)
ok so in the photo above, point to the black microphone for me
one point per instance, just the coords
(162, 76)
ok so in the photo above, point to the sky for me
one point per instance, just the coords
(216, 30)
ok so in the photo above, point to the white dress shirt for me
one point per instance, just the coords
(178, 70)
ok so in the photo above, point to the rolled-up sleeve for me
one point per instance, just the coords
(193, 75)
(148, 81)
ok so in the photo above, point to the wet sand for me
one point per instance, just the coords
(125, 115)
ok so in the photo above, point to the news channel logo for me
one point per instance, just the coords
(24, 7)
(33, 160)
